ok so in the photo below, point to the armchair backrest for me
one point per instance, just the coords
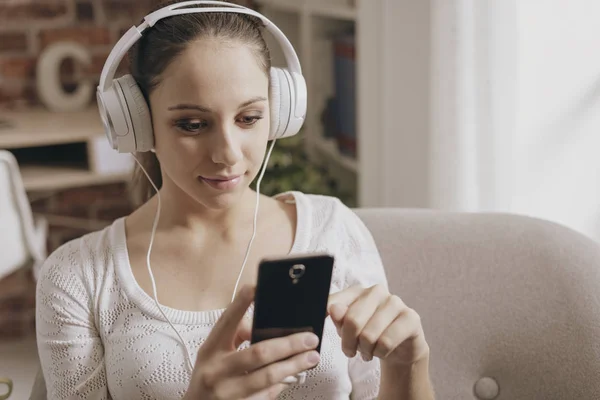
(510, 304)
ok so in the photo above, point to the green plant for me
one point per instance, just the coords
(289, 168)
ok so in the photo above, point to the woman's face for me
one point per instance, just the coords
(210, 116)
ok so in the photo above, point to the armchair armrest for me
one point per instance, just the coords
(38, 243)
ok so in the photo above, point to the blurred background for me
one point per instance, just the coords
(460, 105)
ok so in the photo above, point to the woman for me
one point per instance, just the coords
(100, 332)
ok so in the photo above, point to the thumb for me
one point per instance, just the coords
(225, 330)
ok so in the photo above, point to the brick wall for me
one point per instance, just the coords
(17, 305)
(26, 28)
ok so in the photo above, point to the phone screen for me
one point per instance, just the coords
(291, 296)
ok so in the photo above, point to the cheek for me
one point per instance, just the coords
(255, 150)
(178, 154)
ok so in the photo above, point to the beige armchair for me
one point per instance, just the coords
(510, 305)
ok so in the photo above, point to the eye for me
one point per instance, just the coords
(191, 125)
(250, 120)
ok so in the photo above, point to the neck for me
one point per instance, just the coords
(183, 212)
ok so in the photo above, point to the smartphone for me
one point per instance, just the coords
(291, 296)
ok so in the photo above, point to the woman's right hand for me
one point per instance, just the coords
(222, 372)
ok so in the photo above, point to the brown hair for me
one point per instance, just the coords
(162, 43)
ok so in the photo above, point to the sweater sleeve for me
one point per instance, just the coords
(70, 349)
(365, 270)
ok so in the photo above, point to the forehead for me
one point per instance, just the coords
(211, 69)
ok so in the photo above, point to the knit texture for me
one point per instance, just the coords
(100, 336)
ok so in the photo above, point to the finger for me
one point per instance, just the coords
(358, 315)
(405, 327)
(267, 352)
(264, 378)
(344, 297)
(385, 315)
(244, 332)
(337, 313)
(224, 331)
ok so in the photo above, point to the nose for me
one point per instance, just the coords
(226, 147)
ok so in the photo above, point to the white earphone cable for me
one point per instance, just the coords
(262, 173)
(155, 224)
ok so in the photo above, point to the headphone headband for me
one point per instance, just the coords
(125, 113)
(135, 33)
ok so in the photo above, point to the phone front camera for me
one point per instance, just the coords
(297, 271)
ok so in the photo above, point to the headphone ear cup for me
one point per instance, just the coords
(281, 103)
(275, 100)
(139, 113)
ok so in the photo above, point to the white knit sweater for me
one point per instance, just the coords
(100, 336)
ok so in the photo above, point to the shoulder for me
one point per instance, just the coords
(78, 261)
(337, 227)
(330, 213)
(316, 205)
(328, 217)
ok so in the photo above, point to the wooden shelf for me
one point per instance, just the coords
(329, 148)
(43, 177)
(312, 26)
(40, 127)
(339, 11)
(323, 8)
(57, 150)
(283, 5)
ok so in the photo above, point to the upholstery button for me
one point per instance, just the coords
(486, 388)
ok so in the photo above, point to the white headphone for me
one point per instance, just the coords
(125, 113)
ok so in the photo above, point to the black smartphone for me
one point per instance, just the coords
(291, 296)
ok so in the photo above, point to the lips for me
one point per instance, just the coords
(222, 182)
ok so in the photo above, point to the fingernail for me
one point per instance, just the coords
(313, 357)
(311, 340)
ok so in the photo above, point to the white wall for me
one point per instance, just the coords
(557, 140)
(394, 96)
(487, 105)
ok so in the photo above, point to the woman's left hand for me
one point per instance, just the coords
(377, 324)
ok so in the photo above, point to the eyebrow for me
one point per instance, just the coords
(187, 106)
